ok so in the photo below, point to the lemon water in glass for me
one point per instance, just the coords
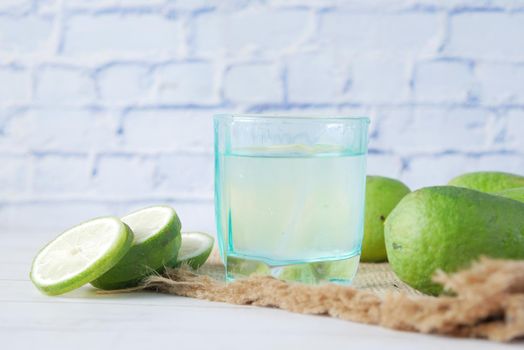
(289, 195)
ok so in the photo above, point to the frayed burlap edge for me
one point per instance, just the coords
(489, 301)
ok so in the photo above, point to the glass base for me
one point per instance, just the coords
(335, 271)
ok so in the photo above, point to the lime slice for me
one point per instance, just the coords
(157, 241)
(195, 249)
(80, 254)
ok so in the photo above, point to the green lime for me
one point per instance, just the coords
(488, 181)
(156, 243)
(195, 249)
(382, 195)
(447, 228)
(513, 193)
(80, 255)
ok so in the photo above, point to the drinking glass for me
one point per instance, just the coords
(289, 195)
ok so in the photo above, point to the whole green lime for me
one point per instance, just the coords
(382, 195)
(513, 193)
(488, 181)
(447, 228)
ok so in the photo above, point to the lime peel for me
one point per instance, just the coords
(80, 255)
(157, 231)
(195, 249)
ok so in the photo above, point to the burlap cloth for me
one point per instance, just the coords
(376, 278)
(488, 301)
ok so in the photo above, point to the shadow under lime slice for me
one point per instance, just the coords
(156, 243)
(80, 255)
(195, 249)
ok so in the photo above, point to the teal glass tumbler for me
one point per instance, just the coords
(289, 195)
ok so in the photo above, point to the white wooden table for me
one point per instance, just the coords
(85, 320)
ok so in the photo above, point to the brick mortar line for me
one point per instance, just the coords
(130, 107)
(372, 152)
(104, 200)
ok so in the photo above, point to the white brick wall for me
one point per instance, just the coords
(250, 30)
(488, 35)
(185, 83)
(121, 83)
(253, 83)
(120, 34)
(379, 32)
(444, 81)
(123, 175)
(14, 175)
(57, 85)
(106, 105)
(501, 83)
(15, 86)
(59, 174)
(318, 77)
(25, 34)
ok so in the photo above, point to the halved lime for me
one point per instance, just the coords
(156, 243)
(80, 254)
(195, 249)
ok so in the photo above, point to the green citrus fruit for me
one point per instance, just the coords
(488, 181)
(80, 255)
(513, 193)
(195, 249)
(382, 195)
(156, 243)
(447, 228)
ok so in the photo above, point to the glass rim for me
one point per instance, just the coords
(291, 117)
